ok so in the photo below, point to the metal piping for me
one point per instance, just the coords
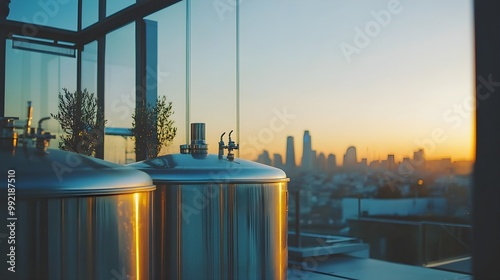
(27, 127)
(198, 144)
(188, 67)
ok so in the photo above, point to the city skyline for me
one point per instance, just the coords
(351, 151)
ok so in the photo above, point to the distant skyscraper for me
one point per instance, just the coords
(350, 157)
(264, 158)
(277, 161)
(290, 153)
(332, 162)
(364, 162)
(419, 159)
(406, 168)
(307, 160)
(321, 162)
(391, 164)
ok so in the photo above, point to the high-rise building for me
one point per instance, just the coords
(277, 161)
(264, 158)
(419, 159)
(406, 167)
(331, 162)
(350, 157)
(391, 164)
(290, 153)
(321, 162)
(307, 159)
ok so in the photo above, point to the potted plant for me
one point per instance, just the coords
(152, 128)
(81, 122)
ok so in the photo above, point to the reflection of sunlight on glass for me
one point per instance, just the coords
(420, 182)
(136, 232)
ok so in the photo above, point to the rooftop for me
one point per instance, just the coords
(347, 267)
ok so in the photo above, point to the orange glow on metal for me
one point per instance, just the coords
(280, 229)
(136, 232)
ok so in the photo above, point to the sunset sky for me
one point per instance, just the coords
(385, 76)
(401, 89)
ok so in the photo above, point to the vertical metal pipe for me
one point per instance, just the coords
(188, 67)
(197, 132)
(29, 117)
(238, 75)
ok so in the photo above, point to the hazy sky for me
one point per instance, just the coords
(384, 76)
(392, 89)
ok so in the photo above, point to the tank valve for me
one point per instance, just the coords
(198, 147)
(231, 145)
(43, 138)
(222, 146)
(8, 137)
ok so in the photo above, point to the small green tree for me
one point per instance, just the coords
(81, 122)
(152, 128)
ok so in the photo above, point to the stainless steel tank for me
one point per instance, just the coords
(217, 217)
(69, 216)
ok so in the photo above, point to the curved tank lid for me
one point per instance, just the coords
(186, 168)
(60, 173)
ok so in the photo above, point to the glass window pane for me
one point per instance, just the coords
(37, 77)
(113, 6)
(119, 96)
(54, 13)
(213, 70)
(172, 65)
(90, 12)
(89, 67)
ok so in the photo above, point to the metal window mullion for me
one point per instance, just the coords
(101, 60)
(3, 42)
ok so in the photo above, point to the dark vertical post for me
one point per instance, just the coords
(140, 93)
(298, 241)
(79, 51)
(359, 207)
(4, 12)
(423, 238)
(3, 41)
(101, 61)
(486, 192)
(146, 75)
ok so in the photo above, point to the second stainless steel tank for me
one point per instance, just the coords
(217, 217)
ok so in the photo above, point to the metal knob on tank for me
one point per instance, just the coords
(217, 216)
(70, 216)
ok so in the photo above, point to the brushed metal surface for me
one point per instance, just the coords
(103, 237)
(220, 231)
